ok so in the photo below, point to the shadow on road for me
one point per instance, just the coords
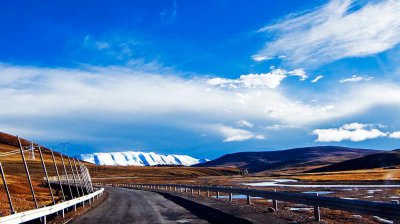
(209, 214)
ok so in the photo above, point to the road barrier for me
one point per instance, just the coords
(42, 213)
(383, 210)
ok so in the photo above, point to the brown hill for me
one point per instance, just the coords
(306, 158)
(377, 160)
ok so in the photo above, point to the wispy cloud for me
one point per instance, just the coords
(244, 123)
(235, 134)
(316, 79)
(339, 29)
(356, 78)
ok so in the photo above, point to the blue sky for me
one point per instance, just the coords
(202, 78)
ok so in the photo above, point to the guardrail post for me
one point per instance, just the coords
(63, 213)
(395, 221)
(198, 192)
(217, 194)
(6, 188)
(208, 193)
(44, 220)
(46, 175)
(27, 172)
(275, 204)
(248, 198)
(58, 175)
(191, 191)
(230, 195)
(317, 213)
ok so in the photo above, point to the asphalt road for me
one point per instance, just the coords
(137, 206)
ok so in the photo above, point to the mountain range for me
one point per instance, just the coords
(299, 158)
(132, 158)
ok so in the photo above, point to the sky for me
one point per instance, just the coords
(202, 78)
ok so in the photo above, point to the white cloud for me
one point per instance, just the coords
(253, 81)
(141, 94)
(317, 78)
(355, 132)
(277, 127)
(356, 78)
(355, 126)
(395, 134)
(339, 29)
(261, 58)
(244, 123)
(235, 134)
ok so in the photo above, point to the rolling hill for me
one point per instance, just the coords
(300, 158)
(377, 160)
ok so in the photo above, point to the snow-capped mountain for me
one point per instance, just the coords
(131, 158)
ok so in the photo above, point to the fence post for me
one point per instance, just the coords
(58, 174)
(66, 176)
(317, 214)
(46, 175)
(73, 175)
(6, 188)
(198, 192)
(27, 172)
(217, 194)
(208, 193)
(79, 177)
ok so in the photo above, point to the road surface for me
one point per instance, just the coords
(137, 206)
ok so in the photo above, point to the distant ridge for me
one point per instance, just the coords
(132, 158)
(307, 158)
(377, 160)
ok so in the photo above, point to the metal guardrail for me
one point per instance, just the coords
(384, 210)
(45, 211)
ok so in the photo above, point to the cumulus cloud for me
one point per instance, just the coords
(316, 79)
(235, 134)
(253, 81)
(395, 134)
(339, 29)
(356, 78)
(355, 132)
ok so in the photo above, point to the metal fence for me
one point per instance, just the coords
(74, 178)
(384, 210)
